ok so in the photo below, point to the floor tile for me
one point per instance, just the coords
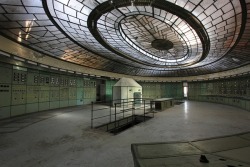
(221, 144)
(156, 150)
(245, 136)
(241, 154)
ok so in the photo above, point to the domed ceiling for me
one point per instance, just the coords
(135, 37)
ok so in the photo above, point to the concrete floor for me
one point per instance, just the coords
(63, 137)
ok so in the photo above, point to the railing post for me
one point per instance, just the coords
(92, 110)
(123, 107)
(151, 107)
(144, 109)
(115, 119)
(133, 111)
(153, 111)
(110, 119)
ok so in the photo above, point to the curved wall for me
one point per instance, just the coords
(25, 89)
(231, 91)
(13, 48)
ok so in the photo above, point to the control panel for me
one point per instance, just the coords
(18, 94)
(89, 88)
(33, 79)
(44, 93)
(54, 80)
(44, 79)
(79, 82)
(64, 93)
(5, 74)
(19, 77)
(64, 81)
(54, 94)
(32, 94)
(72, 82)
(72, 93)
(5, 94)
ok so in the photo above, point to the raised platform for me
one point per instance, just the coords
(163, 103)
(120, 125)
(230, 151)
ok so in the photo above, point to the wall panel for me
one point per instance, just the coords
(229, 91)
(43, 106)
(25, 90)
(32, 107)
(18, 110)
(4, 112)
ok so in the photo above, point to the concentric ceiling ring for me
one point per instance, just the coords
(143, 33)
(219, 26)
(200, 47)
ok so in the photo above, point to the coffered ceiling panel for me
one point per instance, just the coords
(135, 37)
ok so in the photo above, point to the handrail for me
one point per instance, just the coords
(132, 108)
(101, 109)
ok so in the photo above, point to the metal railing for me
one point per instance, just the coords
(119, 111)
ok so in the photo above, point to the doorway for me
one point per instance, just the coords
(185, 90)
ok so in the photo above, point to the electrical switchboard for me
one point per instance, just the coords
(19, 77)
(5, 94)
(109, 86)
(44, 94)
(64, 81)
(72, 82)
(72, 102)
(72, 93)
(6, 74)
(32, 94)
(80, 96)
(33, 79)
(64, 93)
(54, 80)
(4, 112)
(44, 79)
(18, 94)
(89, 89)
(231, 91)
(64, 103)
(54, 94)
(43, 106)
(18, 110)
(32, 107)
(158, 90)
(54, 104)
(79, 82)
(24, 90)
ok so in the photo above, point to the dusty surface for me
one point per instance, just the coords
(67, 140)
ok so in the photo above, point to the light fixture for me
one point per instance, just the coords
(235, 59)
(132, 2)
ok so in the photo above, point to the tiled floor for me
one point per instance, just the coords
(63, 137)
(224, 152)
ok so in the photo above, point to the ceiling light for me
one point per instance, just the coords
(235, 59)
(132, 2)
